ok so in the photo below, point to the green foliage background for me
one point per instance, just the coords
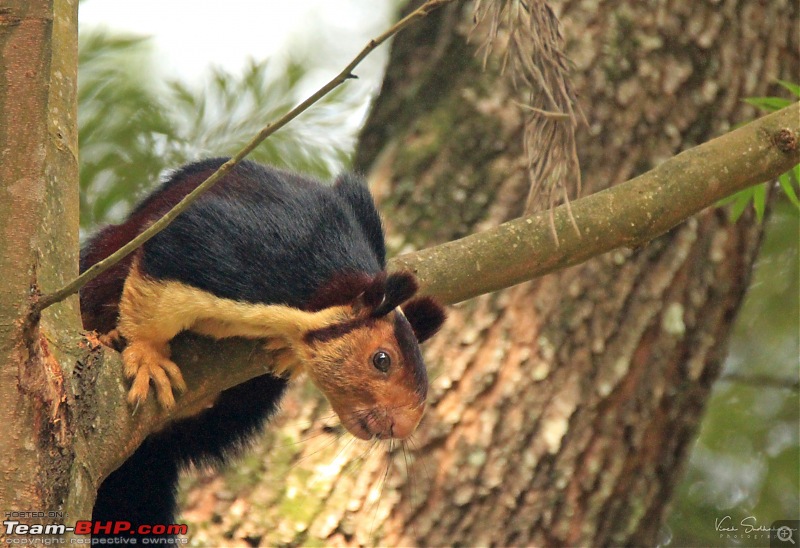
(746, 461)
(133, 129)
(788, 182)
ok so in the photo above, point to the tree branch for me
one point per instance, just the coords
(347, 73)
(117, 431)
(762, 381)
(627, 215)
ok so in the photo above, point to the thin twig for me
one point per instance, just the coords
(762, 381)
(100, 267)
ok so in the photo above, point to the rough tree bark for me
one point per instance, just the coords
(561, 410)
(38, 245)
(534, 388)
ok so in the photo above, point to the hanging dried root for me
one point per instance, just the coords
(533, 53)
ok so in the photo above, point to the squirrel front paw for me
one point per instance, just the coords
(145, 361)
(285, 361)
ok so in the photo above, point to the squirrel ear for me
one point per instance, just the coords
(341, 290)
(375, 291)
(400, 286)
(425, 315)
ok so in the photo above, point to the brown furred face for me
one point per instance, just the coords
(372, 373)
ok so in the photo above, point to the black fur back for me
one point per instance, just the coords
(353, 190)
(259, 235)
(263, 236)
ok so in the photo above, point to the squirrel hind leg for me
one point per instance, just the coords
(113, 339)
(147, 361)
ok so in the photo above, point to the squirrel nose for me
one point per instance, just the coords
(397, 426)
(383, 424)
(404, 425)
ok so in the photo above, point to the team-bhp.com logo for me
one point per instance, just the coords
(13, 528)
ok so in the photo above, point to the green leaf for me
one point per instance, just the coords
(785, 181)
(729, 199)
(760, 200)
(793, 88)
(768, 103)
(788, 181)
(740, 201)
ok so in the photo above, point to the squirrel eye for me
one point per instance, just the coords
(381, 361)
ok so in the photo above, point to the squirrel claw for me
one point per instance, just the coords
(276, 344)
(285, 362)
(113, 339)
(145, 362)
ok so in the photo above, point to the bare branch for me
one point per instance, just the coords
(629, 214)
(347, 73)
(626, 215)
(762, 381)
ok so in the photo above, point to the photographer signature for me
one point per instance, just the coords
(749, 525)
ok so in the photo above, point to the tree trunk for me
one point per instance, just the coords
(561, 410)
(39, 243)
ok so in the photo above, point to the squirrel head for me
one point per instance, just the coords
(368, 364)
